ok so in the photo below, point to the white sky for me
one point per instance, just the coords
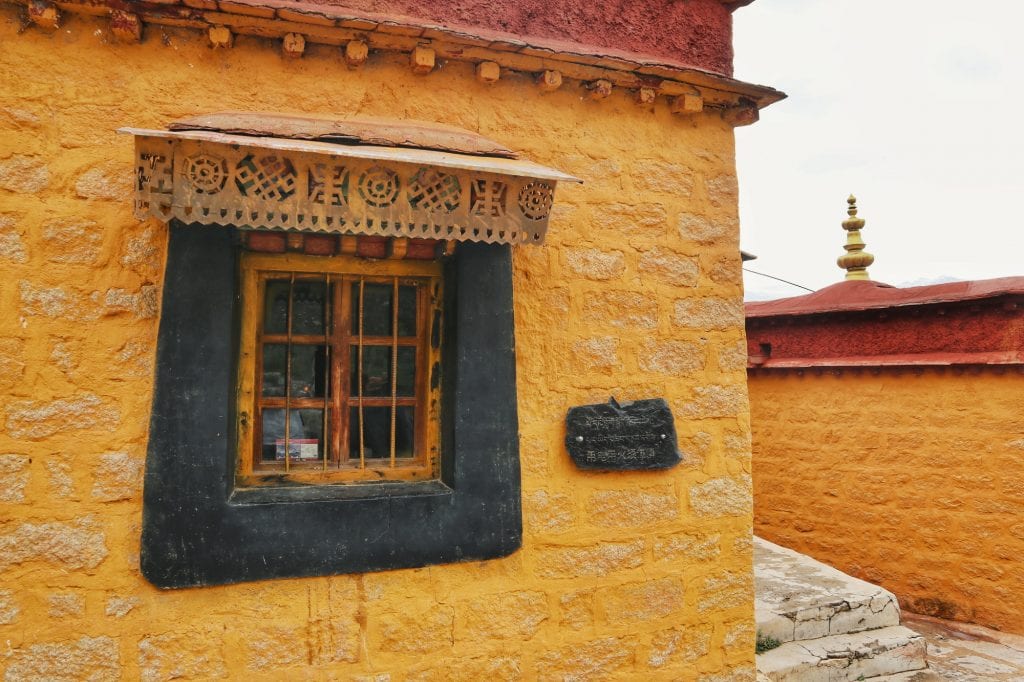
(915, 106)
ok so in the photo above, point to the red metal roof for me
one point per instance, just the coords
(854, 295)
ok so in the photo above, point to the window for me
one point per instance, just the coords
(339, 370)
(322, 414)
(200, 527)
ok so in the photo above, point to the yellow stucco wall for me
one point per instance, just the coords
(911, 481)
(637, 293)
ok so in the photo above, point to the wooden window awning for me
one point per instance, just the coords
(288, 174)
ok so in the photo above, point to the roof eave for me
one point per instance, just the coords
(334, 26)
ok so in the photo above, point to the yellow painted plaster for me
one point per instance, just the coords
(909, 480)
(642, 576)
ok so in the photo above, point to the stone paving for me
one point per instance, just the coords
(798, 598)
(830, 626)
(961, 652)
(834, 627)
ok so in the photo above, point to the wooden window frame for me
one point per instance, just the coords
(337, 465)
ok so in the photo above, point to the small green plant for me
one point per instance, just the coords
(765, 643)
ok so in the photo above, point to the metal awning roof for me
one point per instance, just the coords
(427, 157)
(364, 130)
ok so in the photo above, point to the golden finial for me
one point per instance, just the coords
(856, 260)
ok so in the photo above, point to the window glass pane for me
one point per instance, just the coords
(308, 371)
(274, 369)
(305, 437)
(308, 306)
(273, 431)
(377, 432)
(376, 309)
(376, 370)
(406, 371)
(407, 311)
(405, 432)
(307, 442)
(275, 307)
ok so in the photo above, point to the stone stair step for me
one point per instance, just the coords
(799, 598)
(847, 657)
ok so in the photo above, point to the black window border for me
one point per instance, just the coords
(198, 530)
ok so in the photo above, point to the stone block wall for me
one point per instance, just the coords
(636, 294)
(911, 479)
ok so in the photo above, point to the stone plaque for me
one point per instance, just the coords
(637, 435)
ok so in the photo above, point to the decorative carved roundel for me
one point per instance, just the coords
(535, 200)
(379, 187)
(208, 174)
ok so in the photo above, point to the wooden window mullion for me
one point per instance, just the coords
(297, 403)
(257, 412)
(394, 365)
(328, 386)
(359, 378)
(257, 454)
(383, 401)
(423, 311)
(288, 379)
(341, 368)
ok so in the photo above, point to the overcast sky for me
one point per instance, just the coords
(915, 106)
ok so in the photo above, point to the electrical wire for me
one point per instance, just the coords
(778, 279)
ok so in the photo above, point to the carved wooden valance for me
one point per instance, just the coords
(259, 182)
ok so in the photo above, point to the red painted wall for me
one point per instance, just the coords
(969, 327)
(695, 32)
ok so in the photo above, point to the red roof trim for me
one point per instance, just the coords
(901, 360)
(854, 295)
